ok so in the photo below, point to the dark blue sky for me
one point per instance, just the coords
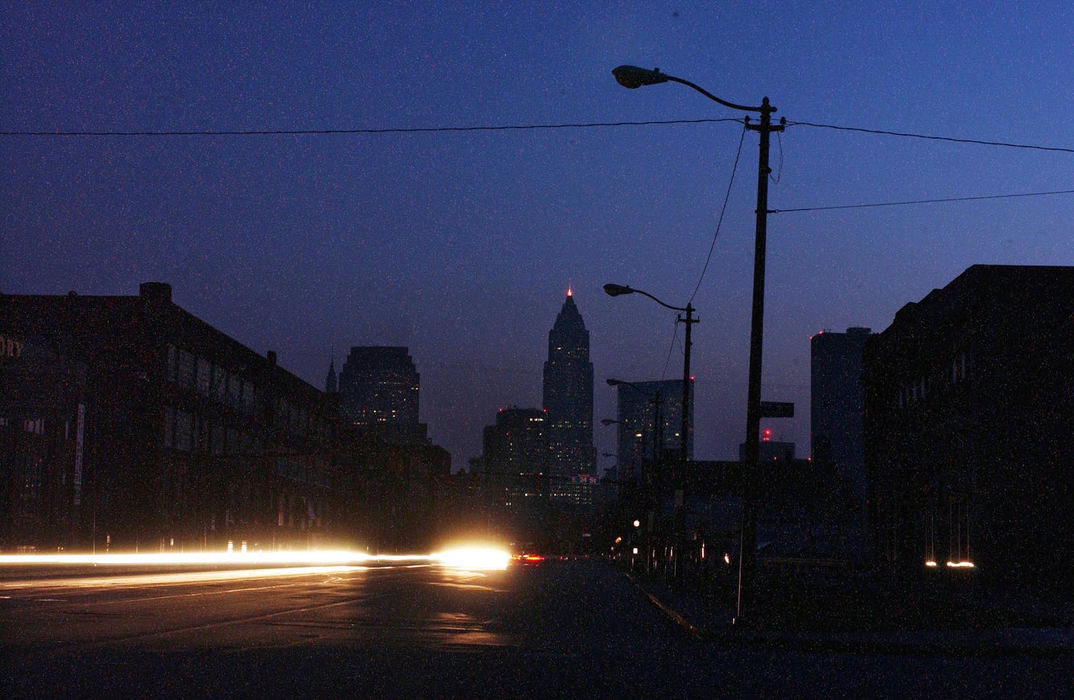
(462, 245)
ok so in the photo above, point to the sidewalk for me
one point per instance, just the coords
(955, 632)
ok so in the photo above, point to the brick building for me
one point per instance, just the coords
(166, 433)
(969, 413)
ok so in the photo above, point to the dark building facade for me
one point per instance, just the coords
(42, 439)
(379, 388)
(638, 441)
(397, 495)
(837, 408)
(568, 395)
(969, 405)
(515, 456)
(167, 434)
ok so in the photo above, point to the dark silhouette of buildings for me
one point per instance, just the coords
(638, 441)
(515, 456)
(969, 405)
(378, 393)
(42, 445)
(155, 431)
(398, 495)
(837, 407)
(398, 481)
(568, 395)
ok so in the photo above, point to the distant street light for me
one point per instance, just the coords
(615, 290)
(634, 77)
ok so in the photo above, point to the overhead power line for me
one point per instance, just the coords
(387, 130)
(920, 201)
(505, 127)
(719, 221)
(979, 142)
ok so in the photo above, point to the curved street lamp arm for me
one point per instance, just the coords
(633, 77)
(667, 306)
(712, 97)
(619, 289)
(622, 382)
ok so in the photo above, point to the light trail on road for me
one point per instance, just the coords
(475, 557)
(174, 578)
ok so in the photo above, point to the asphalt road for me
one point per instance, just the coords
(563, 629)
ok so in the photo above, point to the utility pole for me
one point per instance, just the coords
(633, 77)
(689, 320)
(747, 563)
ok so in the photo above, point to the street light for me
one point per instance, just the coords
(615, 290)
(647, 476)
(678, 481)
(634, 77)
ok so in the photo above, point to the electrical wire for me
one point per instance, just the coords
(920, 201)
(929, 137)
(671, 349)
(505, 127)
(723, 210)
(779, 168)
(387, 130)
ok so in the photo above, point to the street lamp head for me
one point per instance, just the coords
(614, 290)
(633, 77)
(615, 382)
(608, 421)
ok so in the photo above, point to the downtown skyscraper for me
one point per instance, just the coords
(568, 395)
(378, 393)
(649, 416)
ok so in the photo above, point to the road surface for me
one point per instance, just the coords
(562, 629)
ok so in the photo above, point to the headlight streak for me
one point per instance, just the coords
(171, 579)
(471, 558)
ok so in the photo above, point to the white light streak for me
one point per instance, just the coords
(170, 579)
(464, 557)
(473, 558)
(311, 558)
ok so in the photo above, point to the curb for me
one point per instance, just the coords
(865, 643)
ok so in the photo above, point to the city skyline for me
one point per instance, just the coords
(459, 245)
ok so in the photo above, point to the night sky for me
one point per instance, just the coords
(462, 245)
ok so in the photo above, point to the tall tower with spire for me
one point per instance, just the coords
(568, 394)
